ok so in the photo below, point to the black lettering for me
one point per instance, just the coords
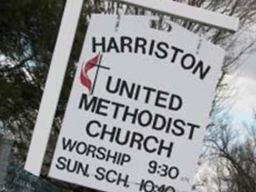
(146, 116)
(68, 144)
(140, 43)
(161, 96)
(89, 131)
(127, 113)
(166, 148)
(125, 159)
(126, 42)
(202, 72)
(137, 138)
(117, 106)
(81, 148)
(148, 90)
(159, 122)
(100, 173)
(61, 163)
(110, 132)
(71, 167)
(112, 157)
(169, 125)
(162, 47)
(125, 89)
(123, 180)
(126, 137)
(146, 144)
(151, 48)
(137, 92)
(85, 105)
(109, 177)
(101, 44)
(178, 124)
(117, 85)
(175, 54)
(175, 105)
(188, 61)
(91, 150)
(193, 127)
(112, 45)
(102, 104)
(101, 153)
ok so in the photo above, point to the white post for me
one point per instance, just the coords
(187, 12)
(53, 86)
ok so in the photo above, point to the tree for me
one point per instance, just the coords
(232, 159)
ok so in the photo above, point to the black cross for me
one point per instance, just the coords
(97, 72)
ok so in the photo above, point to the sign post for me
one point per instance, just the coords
(138, 107)
(53, 86)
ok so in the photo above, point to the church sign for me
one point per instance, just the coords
(138, 107)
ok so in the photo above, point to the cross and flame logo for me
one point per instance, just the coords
(86, 67)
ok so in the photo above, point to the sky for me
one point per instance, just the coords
(241, 107)
(244, 82)
(244, 107)
(241, 112)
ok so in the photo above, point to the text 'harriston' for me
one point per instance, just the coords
(161, 50)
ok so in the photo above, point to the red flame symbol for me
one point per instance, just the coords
(84, 78)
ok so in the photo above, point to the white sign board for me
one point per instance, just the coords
(138, 108)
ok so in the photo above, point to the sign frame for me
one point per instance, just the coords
(60, 59)
(187, 12)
